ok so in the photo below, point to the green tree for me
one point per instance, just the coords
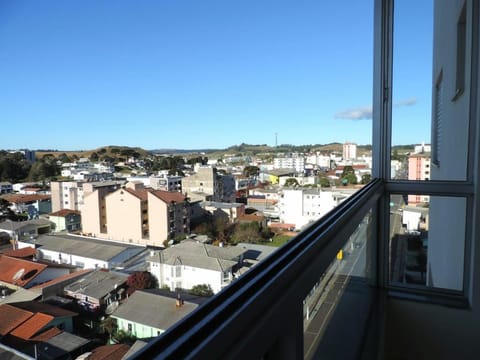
(251, 171)
(324, 182)
(348, 174)
(291, 182)
(94, 156)
(204, 290)
(366, 178)
(247, 232)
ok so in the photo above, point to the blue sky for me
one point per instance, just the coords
(199, 74)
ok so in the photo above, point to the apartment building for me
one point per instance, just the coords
(189, 263)
(418, 169)
(349, 151)
(66, 195)
(300, 207)
(295, 161)
(135, 214)
(94, 213)
(209, 185)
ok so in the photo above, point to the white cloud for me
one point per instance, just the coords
(365, 112)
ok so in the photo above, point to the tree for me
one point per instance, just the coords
(251, 171)
(94, 156)
(247, 232)
(109, 325)
(291, 182)
(204, 290)
(366, 178)
(324, 182)
(348, 174)
(140, 280)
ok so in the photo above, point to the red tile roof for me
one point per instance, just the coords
(169, 196)
(47, 335)
(62, 278)
(11, 317)
(17, 271)
(21, 253)
(65, 212)
(47, 309)
(25, 198)
(32, 326)
(141, 194)
(109, 352)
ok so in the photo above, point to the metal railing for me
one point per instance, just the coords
(260, 315)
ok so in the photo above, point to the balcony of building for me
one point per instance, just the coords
(363, 282)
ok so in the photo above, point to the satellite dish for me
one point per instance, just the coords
(18, 274)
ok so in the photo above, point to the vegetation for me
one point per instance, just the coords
(291, 182)
(141, 280)
(204, 290)
(348, 176)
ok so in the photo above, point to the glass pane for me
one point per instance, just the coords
(347, 275)
(427, 241)
(412, 89)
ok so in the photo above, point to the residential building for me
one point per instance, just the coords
(227, 211)
(31, 204)
(66, 220)
(422, 148)
(273, 176)
(66, 195)
(189, 263)
(349, 151)
(95, 291)
(82, 252)
(418, 169)
(21, 230)
(166, 182)
(294, 161)
(15, 272)
(301, 207)
(168, 216)
(94, 213)
(209, 185)
(148, 313)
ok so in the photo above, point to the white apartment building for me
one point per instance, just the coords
(295, 161)
(66, 195)
(189, 263)
(303, 206)
(349, 151)
(323, 161)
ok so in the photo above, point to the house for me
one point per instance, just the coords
(82, 252)
(147, 313)
(189, 263)
(66, 220)
(56, 286)
(33, 204)
(22, 230)
(227, 211)
(107, 352)
(16, 273)
(97, 290)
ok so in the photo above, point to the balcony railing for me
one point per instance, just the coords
(261, 314)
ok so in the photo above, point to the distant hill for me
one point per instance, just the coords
(111, 150)
(243, 149)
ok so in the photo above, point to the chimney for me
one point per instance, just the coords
(179, 301)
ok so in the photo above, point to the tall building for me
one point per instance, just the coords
(349, 151)
(418, 169)
(209, 185)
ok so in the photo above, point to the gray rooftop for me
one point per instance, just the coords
(221, 205)
(67, 342)
(199, 255)
(83, 246)
(256, 251)
(16, 225)
(97, 284)
(153, 310)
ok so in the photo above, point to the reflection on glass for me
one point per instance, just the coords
(348, 270)
(411, 91)
(427, 241)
